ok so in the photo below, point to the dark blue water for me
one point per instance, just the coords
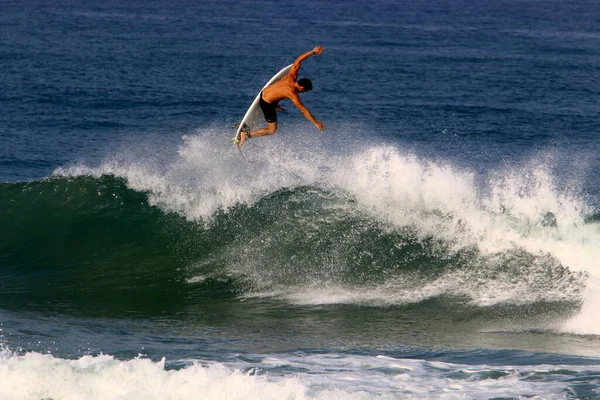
(438, 238)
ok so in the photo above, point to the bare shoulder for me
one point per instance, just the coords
(288, 79)
(277, 91)
(293, 96)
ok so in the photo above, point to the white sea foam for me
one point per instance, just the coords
(294, 376)
(521, 208)
(587, 321)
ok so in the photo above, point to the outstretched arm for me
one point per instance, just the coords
(296, 100)
(296, 66)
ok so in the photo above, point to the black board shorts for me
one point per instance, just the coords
(269, 110)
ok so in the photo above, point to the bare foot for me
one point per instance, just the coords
(243, 137)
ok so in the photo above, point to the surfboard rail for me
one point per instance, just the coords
(253, 117)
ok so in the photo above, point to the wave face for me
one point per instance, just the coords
(364, 224)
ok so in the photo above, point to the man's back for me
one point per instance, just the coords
(280, 90)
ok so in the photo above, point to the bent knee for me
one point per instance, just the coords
(272, 128)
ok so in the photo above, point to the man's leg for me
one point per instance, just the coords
(269, 130)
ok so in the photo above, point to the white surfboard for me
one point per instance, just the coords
(254, 117)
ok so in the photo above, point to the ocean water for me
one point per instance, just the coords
(440, 239)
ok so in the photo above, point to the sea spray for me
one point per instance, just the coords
(432, 200)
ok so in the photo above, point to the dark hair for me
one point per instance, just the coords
(305, 83)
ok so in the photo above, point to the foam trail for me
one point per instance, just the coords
(35, 376)
(327, 376)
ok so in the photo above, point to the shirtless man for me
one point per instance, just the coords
(285, 88)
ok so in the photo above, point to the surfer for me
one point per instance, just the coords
(286, 88)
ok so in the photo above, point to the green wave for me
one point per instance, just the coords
(93, 243)
(87, 240)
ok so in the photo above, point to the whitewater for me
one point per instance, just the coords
(294, 376)
(523, 208)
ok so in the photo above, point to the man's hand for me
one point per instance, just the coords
(319, 125)
(296, 66)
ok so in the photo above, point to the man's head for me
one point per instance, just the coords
(305, 84)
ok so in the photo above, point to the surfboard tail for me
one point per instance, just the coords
(244, 129)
